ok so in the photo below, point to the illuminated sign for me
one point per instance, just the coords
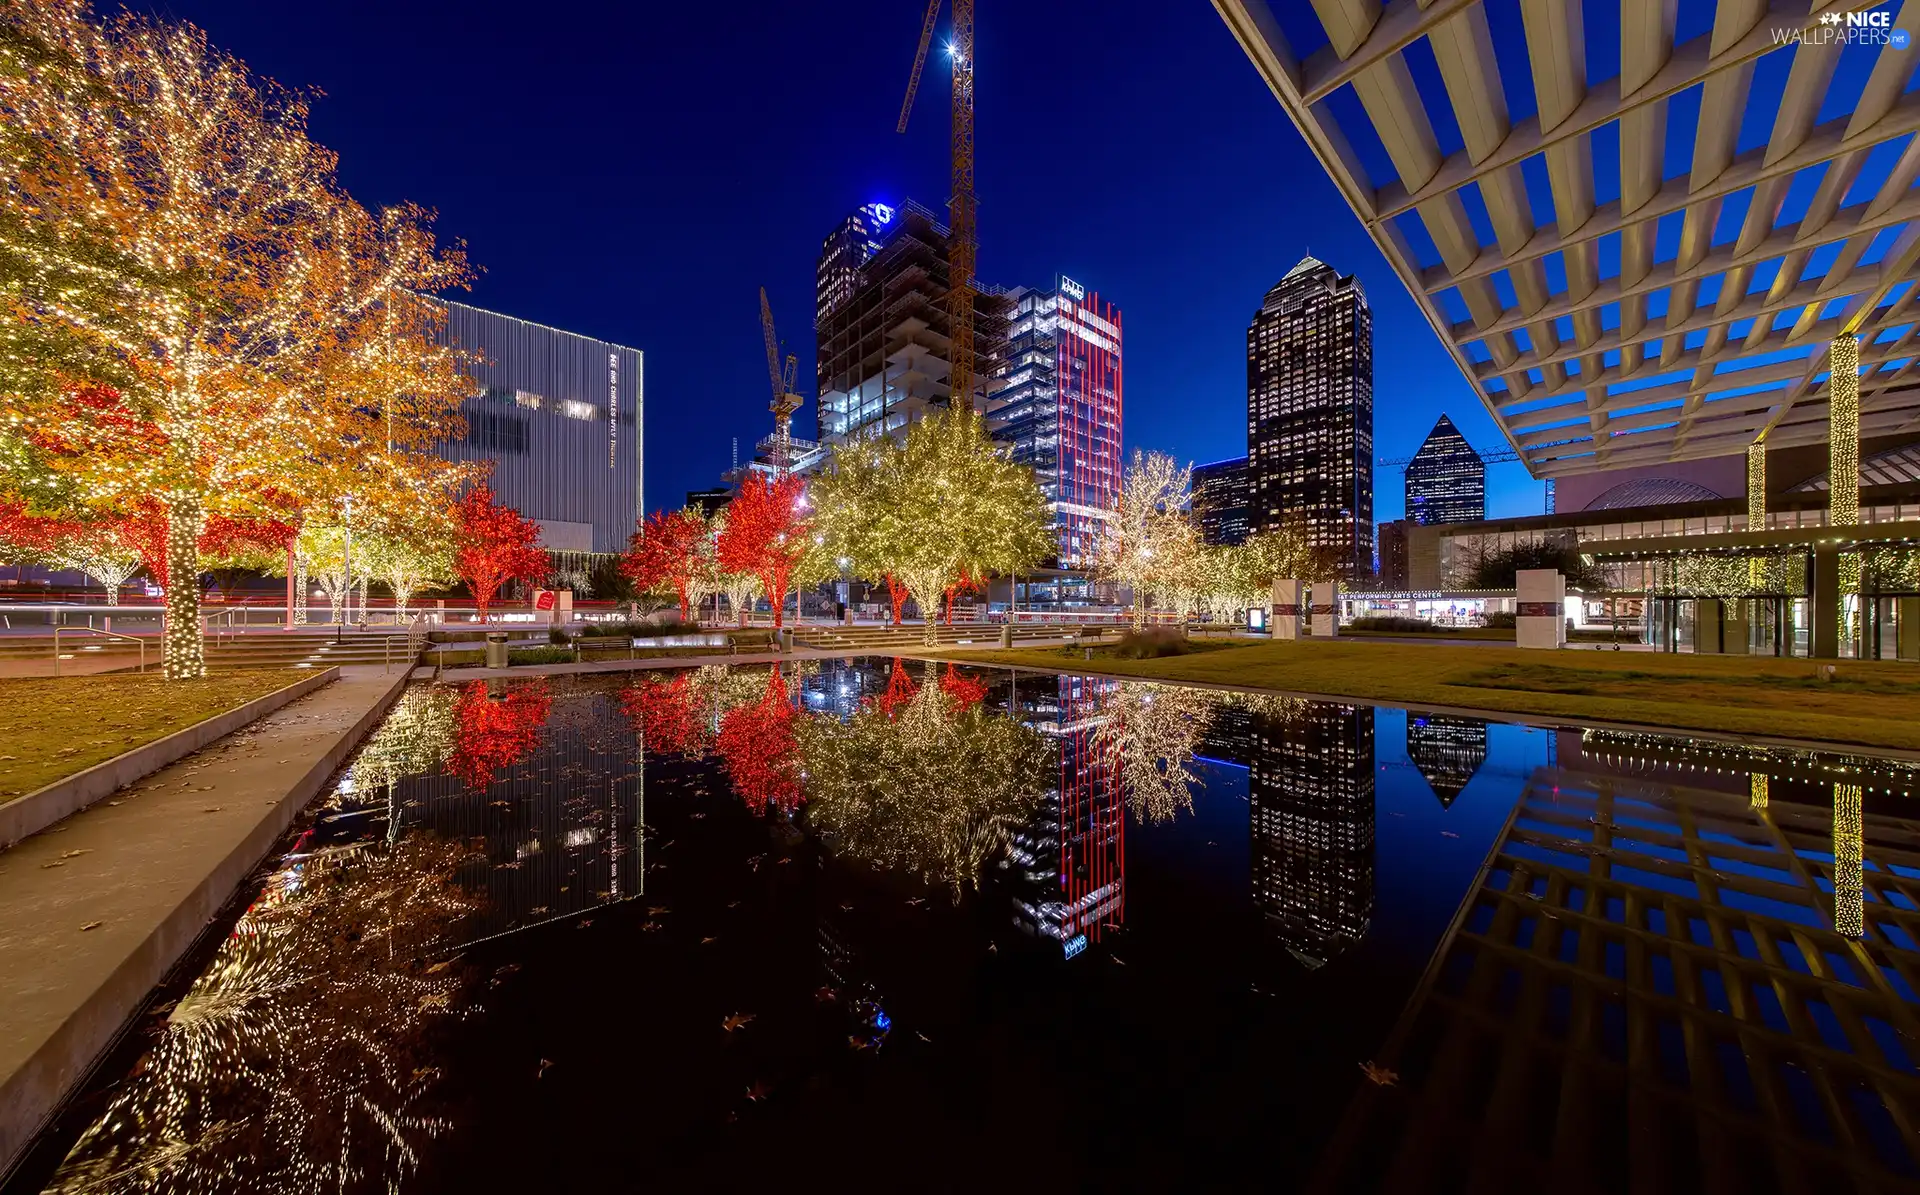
(1073, 290)
(881, 212)
(613, 408)
(1074, 945)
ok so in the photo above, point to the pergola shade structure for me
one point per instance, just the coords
(1635, 224)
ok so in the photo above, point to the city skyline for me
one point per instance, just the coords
(669, 228)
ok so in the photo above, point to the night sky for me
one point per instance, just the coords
(635, 171)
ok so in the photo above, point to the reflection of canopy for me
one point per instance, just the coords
(497, 732)
(293, 1063)
(1152, 733)
(932, 786)
(758, 748)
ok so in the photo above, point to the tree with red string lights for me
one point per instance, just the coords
(670, 549)
(496, 732)
(492, 545)
(671, 715)
(767, 534)
(965, 691)
(759, 747)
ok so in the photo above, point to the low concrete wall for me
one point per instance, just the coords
(63, 798)
(30, 1097)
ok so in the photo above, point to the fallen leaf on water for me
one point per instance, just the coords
(91, 925)
(859, 1043)
(923, 1037)
(55, 863)
(213, 809)
(737, 1021)
(846, 908)
(538, 910)
(733, 904)
(544, 1064)
(1117, 960)
(917, 900)
(1379, 1076)
(584, 923)
(1448, 834)
(704, 941)
(650, 927)
(759, 1091)
(824, 994)
(656, 910)
(442, 965)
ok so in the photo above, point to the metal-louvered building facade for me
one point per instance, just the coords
(560, 417)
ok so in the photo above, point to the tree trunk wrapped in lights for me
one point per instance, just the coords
(183, 652)
(767, 534)
(1148, 542)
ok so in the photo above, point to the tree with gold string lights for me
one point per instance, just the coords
(292, 352)
(1147, 542)
(943, 506)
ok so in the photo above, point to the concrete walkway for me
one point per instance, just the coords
(100, 906)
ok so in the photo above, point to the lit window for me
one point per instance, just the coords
(576, 409)
(527, 399)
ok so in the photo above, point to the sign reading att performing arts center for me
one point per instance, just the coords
(559, 415)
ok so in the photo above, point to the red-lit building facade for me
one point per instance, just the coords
(1070, 860)
(1059, 402)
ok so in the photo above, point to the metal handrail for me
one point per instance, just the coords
(133, 639)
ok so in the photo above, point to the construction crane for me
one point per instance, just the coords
(785, 401)
(963, 239)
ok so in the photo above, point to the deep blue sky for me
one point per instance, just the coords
(634, 171)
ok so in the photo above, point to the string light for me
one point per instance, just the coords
(1849, 908)
(1757, 786)
(1756, 505)
(1843, 451)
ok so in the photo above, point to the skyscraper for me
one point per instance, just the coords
(1220, 500)
(1310, 413)
(846, 250)
(1059, 409)
(1448, 751)
(1446, 480)
(1393, 554)
(882, 330)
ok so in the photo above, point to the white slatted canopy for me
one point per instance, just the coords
(1641, 269)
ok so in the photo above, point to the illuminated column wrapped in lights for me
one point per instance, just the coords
(1843, 451)
(1756, 507)
(1759, 790)
(182, 646)
(1849, 911)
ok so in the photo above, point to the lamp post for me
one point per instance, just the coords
(846, 590)
(346, 560)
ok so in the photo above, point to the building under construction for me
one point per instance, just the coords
(884, 345)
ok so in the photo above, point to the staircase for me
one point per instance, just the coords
(308, 647)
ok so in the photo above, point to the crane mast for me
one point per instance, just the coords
(785, 401)
(963, 241)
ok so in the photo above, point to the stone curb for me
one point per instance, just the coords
(43, 807)
(33, 1095)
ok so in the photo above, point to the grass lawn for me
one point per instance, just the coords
(56, 726)
(1869, 704)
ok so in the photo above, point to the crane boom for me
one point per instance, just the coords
(964, 239)
(919, 63)
(773, 344)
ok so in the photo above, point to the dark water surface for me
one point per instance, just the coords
(902, 927)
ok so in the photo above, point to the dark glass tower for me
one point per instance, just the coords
(1446, 480)
(1310, 413)
(1220, 500)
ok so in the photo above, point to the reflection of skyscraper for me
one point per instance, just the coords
(1071, 860)
(1311, 790)
(1448, 751)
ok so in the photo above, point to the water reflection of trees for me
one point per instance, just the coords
(923, 779)
(759, 747)
(296, 1063)
(496, 727)
(1149, 735)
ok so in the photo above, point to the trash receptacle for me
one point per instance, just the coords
(1006, 634)
(784, 642)
(496, 649)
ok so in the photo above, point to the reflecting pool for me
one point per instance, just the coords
(893, 925)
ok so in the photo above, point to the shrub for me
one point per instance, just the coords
(1392, 622)
(1152, 643)
(620, 630)
(558, 636)
(1501, 618)
(540, 655)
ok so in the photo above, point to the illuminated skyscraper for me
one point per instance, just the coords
(881, 330)
(1220, 500)
(1310, 788)
(1393, 554)
(1310, 413)
(1059, 408)
(1446, 480)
